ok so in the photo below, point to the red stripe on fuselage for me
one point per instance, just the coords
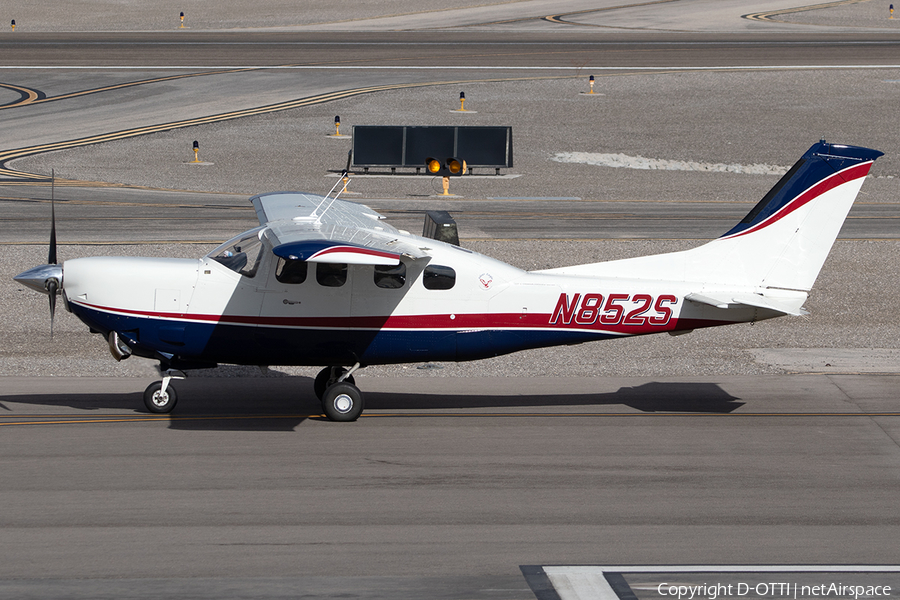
(459, 322)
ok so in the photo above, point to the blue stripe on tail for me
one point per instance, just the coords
(820, 162)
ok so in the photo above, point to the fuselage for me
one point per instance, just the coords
(457, 305)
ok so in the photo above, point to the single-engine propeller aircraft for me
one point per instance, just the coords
(326, 282)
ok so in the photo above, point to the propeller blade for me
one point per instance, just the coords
(51, 258)
(52, 288)
(47, 278)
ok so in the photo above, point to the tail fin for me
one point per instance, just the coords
(782, 243)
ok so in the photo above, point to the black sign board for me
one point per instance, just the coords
(406, 146)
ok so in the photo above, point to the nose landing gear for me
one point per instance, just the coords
(160, 397)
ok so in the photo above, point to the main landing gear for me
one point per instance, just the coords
(341, 399)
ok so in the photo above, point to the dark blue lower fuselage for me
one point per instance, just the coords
(187, 343)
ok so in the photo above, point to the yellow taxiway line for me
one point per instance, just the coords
(770, 14)
(9, 420)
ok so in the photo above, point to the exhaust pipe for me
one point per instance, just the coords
(117, 347)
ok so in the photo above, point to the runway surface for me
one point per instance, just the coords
(444, 490)
(442, 49)
(766, 445)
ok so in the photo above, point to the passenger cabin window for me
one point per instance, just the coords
(331, 274)
(437, 277)
(291, 271)
(241, 256)
(390, 277)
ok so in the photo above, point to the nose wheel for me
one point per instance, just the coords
(159, 400)
(160, 396)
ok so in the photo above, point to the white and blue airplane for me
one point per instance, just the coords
(325, 282)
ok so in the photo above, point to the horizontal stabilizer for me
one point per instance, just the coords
(726, 301)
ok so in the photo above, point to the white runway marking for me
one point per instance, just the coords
(623, 161)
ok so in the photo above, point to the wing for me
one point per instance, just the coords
(316, 228)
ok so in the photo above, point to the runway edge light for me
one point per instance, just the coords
(182, 19)
(462, 105)
(13, 24)
(337, 130)
(591, 81)
(196, 152)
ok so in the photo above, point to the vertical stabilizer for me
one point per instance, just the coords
(784, 240)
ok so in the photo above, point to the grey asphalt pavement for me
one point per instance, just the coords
(456, 477)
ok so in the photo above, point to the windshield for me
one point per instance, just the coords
(241, 254)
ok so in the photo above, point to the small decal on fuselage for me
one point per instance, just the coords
(485, 279)
(618, 309)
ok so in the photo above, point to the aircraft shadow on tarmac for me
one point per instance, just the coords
(280, 404)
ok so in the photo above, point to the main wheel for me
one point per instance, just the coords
(342, 402)
(327, 377)
(158, 401)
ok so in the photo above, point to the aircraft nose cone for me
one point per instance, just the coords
(38, 277)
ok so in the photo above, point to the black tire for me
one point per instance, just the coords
(328, 377)
(342, 402)
(160, 403)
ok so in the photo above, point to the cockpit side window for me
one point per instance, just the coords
(291, 271)
(331, 274)
(241, 256)
(438, 277)
(390, 277)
